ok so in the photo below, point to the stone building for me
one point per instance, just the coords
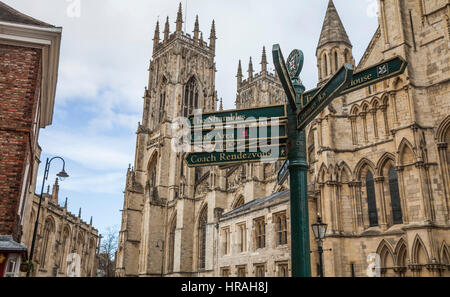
(60, 234)
(379, 162)
(29, 59)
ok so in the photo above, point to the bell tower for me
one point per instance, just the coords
(334, 48)
(181, 79)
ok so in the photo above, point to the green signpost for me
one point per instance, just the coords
(230, 117)
(277, 133)
(365, 77)
(307, 106)
(249, 155)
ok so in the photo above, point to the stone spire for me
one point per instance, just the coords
(201, 38)
(55, 192)
(264, 61)
(179, 21)
(156, 37)
(166, 30)
(221, 104)
(250, 70)
(212, 37)
(196, 30)
(239, 75)
(333, 30)
(90, 223)
(79, 213)
(65, 204)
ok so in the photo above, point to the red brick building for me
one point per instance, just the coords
(29, 59)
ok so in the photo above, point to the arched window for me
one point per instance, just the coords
(202, 238)
(162, 104)
(336, 62)
(190, 97)
(346, 56)
(239, 202)
(64, 244)
(395, 197)
(152, 170)
(48, 229)
(371, 200)
(325, 65)
(172, 244)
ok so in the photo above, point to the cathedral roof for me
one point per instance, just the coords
(9, 14)
(333, 30)
(257, 202)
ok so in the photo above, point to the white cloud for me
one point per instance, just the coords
(92, 151)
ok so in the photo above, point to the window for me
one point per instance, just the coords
(260, 230)
(239, 202)
(242, 271)
(64, 245)
(325, 66)
(202, 238)
(226, 240)
(260, 270)
(226, 272)
(395, 197)
(172, 244)
(281, 228)
(162, 105)
(336, 62)
(12, 267)
(190, 97)
(371, 200)
(283, 270)
(45, 242)
(242, 238)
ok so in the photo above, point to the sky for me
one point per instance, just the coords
(105, 54)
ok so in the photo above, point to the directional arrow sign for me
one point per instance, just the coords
(250, 155)
(257, 131)
(374, 74)
(324, 96)
(280, 66)
(229, 117)
(283, 173)
(366, 77)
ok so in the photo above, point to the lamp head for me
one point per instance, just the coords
(62, 175)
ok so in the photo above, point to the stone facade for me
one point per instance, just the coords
(61, 233)
(379, 163)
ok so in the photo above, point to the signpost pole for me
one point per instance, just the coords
(298, 167)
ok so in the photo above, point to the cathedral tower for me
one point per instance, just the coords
(334, 48)
(181, 80)
(258, 89)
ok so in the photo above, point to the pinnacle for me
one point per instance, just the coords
(333, 30)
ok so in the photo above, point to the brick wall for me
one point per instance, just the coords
(19, 95)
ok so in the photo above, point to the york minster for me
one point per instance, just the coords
(378, 160)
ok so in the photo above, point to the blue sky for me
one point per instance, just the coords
(105, 53)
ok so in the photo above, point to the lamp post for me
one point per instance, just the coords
(162, 255)
(63, 174)
(319, 230)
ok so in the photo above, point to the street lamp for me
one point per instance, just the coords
(319, 230)
(162, 254)
(62, 175)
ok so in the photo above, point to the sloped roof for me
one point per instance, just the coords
(9, 14)
(257, 202)
(8, 244)
(333, 30)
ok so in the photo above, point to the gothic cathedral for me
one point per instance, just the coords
(379, 161)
